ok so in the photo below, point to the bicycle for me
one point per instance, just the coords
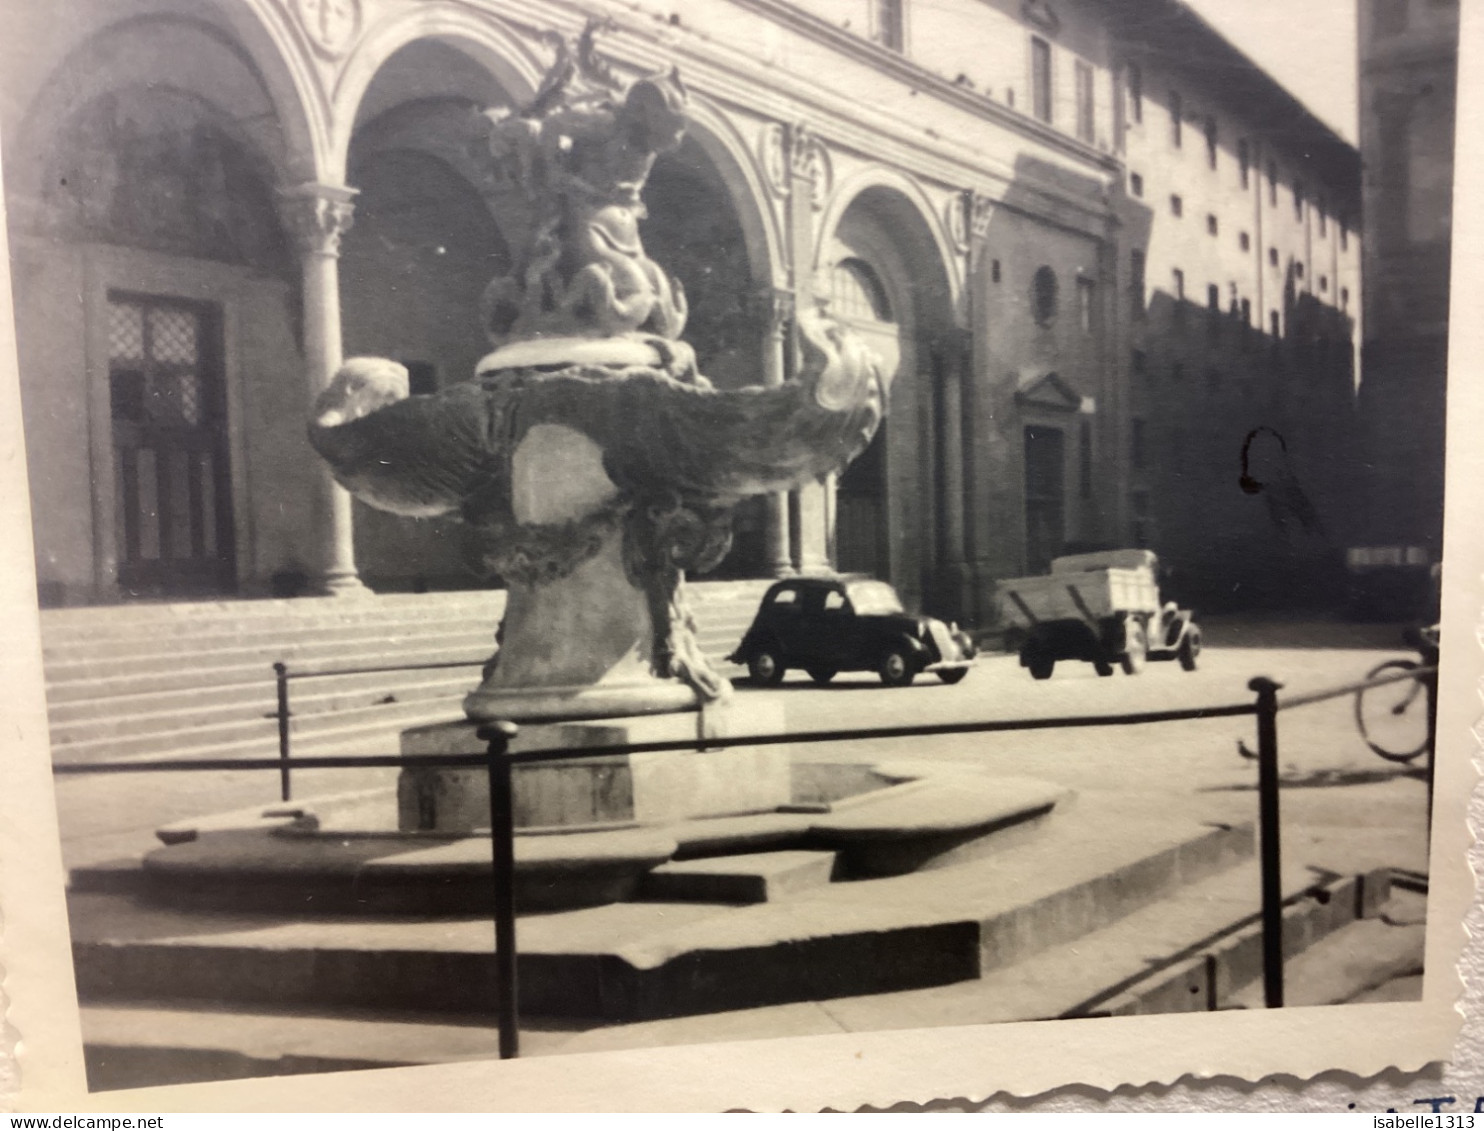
(1393, 717)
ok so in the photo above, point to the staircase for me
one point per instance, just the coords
(196, 680)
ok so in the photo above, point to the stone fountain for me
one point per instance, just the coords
(596, 468)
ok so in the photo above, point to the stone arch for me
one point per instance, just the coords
(148, 153)
(710, 226)
(431, 230)
(914, 206)
(737, 165)
(424, 245)
(504, 55)
(894, 515)
(244, 78)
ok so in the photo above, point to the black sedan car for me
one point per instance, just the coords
(827, 625)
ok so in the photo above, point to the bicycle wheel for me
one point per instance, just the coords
(1393, 717)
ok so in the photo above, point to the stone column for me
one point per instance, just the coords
(804, 172)
(977, 434)
(950, 371)
(317, 216)
(777, 309)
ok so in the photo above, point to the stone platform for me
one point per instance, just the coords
(1195, 949)
(1084, 869)
(645, 788)
(328, 858)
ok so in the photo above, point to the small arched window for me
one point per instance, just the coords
(1043, 296)
(857, 292)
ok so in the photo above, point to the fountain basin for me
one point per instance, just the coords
(323, 858)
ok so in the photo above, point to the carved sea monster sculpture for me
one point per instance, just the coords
(594, 464)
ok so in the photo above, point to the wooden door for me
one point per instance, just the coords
(171, 477)
(1045, 494)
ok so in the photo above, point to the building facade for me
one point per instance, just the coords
(1113, 265)
(1408, 81)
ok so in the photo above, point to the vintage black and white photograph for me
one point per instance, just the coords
(563, 527)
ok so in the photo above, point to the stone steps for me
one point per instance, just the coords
(1198, 949)
(122, 682)
(754, 877)
(1170, 927)
(173, 736)
(258, 695)
(131, 716)
(187, 659)
(143, 1043)
(633, 961)
(61, 659)
(186, 617)
(196, 679)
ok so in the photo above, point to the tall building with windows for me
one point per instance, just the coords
(1102, 252)
(1241, 218)
(1408, 80)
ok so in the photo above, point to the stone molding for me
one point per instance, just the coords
(967, 217)
(981, 211)
(775, 307)
(316, 216)
(807, 157)
(891, 62)
(331, 26)
(772, 158)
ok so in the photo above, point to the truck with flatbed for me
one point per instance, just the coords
(1102, 608)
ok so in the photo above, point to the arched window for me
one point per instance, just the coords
(1043, 295)
(858, 292)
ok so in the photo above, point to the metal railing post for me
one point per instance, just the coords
(502, 849)
(1431, 654)
(281, 677)
(1268, 832)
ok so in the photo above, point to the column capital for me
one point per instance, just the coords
(316, 216)
(807, 159)
(980, 208)
(774, 307)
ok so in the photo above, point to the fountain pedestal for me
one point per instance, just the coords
(637, 788)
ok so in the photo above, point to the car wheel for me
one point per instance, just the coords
(766, 668)
(896, 668)
(1102, 667)
(1190, 648)
(953, 675)
(1135, 648)
(822, 675)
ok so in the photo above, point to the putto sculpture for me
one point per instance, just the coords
(594, 463)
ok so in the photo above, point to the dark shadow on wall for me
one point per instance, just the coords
(1251, 464)
(423, 247)
(1198, 382)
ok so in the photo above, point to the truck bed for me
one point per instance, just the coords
(1096, 594)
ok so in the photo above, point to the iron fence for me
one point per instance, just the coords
(499, 762)
(282, 713)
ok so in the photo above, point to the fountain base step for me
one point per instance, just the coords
(1193, 950)
(755, 877)
(635, 960)
(647, 788)
(328, 858)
